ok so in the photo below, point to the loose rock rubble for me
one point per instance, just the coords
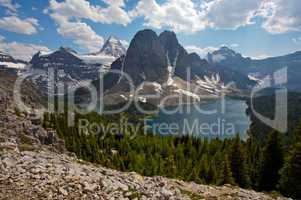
(47, 175)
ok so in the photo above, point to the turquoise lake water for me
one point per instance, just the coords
(218, 118)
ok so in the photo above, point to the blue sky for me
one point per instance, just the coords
(256, 28)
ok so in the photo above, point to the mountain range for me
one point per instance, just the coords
(159, 64)
(258, 69)
(72, 68)
(161, 61)
(10, 64)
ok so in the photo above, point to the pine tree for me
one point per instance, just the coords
(238, 164)
(272, 162)
(211, 175)
(226, 173)
(290, 181)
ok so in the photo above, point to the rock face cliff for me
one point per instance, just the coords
(145, 59)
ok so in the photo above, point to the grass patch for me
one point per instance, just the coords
(191, 195)
(24, 139)
(26, 147)
(134, 194)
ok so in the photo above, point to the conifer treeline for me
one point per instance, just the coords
(248, 164)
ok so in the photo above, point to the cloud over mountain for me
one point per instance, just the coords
(69, 16)
(20, 50)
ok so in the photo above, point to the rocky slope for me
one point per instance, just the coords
(46, 175)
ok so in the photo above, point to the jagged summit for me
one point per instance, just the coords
(64, 56)
(145, 59)
(67, 49)
(172, 47)
(112, 47)
(228, 57)
(222, 54)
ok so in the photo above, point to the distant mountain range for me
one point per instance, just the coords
(72, 68)
(8, 63)
(260, 68)
(159, 60)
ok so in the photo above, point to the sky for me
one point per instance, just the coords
(255, 28)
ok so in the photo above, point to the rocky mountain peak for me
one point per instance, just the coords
(147, 36)
(227, 52)
(113, 47)
(63, 55)
(172, 47)
(225, 55)
(168, 38)
(67, 50)
(145, 58)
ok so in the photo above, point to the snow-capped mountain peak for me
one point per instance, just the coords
(224, 54)
(113, 47)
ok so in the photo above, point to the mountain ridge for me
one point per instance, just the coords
(261, 68)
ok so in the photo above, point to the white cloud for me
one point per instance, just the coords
(230, 14)
(69, 14)
(82, 9)
(202, 52)
(15, 24)
(297, 40)
(26, 26)
(12, 8)
(179, 15)
(20, 50)
(260, 56)
(281, 16)
(81, 33)
(189, 16)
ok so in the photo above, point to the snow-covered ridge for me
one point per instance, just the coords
(7, 61)
(13, 65)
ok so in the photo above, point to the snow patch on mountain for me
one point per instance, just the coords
(97, 59)
(218, 58)
(212, 84)
(13, 65)
(187, 93)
